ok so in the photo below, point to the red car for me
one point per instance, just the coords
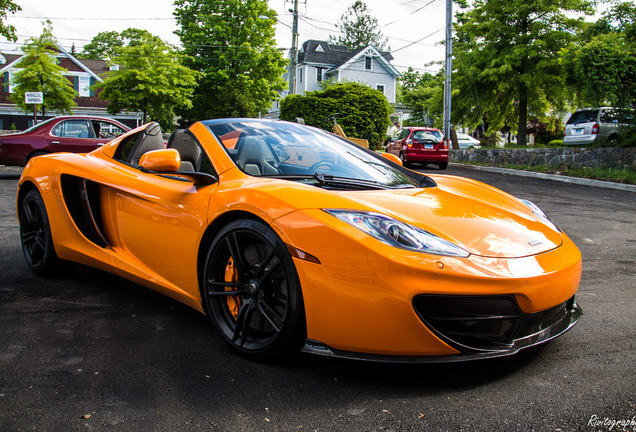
(419, 144)
(75, 134)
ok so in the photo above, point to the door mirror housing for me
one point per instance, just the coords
(163, 160)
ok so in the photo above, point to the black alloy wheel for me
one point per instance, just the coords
(252, 293)
(35, 235)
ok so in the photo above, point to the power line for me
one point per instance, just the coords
(94, 19)
(417, 41)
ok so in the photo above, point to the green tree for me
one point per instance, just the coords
(8, 31)
(38, 71)
(421, 92)
(104, 44)
(151, 79)
(507, 60)
(359, 29)
(601, 65)
(361, 111)
(234, 48)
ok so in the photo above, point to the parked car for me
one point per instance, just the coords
(465, 141)
(75, 134)
(590, 124)
(419, 144)
(291, 238)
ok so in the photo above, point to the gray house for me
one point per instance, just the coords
(320, 60)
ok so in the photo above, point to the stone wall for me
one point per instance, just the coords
(561, 158)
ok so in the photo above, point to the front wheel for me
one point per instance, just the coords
(252, 293)
(35, 236)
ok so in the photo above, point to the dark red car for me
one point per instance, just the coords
(419, 144)
(76, 134)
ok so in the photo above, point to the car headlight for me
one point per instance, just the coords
(538, 212)
(398, 234)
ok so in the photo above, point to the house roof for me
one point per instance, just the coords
(339, 56)
(95, 68)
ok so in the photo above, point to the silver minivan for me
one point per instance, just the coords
(590, 124)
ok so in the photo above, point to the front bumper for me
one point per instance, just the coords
(526, 331)
(360, 297)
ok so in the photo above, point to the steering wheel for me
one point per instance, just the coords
(312, 169)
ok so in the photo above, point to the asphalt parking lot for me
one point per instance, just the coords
(90, 351)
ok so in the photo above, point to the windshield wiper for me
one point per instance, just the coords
(329, 180)
(339, 182)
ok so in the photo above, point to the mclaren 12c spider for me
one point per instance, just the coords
(291, 238)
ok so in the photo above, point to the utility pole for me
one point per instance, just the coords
(448, 72)
(294, 48)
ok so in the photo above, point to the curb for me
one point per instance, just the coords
(555, 177)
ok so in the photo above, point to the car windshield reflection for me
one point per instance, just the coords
(288, 150)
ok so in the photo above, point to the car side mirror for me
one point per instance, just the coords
(162, 160)
(392, 158)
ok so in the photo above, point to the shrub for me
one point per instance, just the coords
(361, 111)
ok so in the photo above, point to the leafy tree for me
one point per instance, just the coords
(507, 60)
(601, 66)
(8, 31)
(426, 102)
(151, 78)
(234, 48)
(421, 93)
(103, 46)
(39, 72)
(361, 111)
(359, 28)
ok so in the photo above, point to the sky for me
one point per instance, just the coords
(415, 28)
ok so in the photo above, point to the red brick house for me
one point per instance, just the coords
(83, 74)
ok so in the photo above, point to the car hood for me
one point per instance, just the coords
(482, 220)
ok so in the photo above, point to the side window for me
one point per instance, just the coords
(609, 116)
(126, 147)
(107, 130)
(72, 129)
(206, 165)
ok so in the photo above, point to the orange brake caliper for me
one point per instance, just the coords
(231, 275)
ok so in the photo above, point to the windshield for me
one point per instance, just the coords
(287, 150)
(586, 116)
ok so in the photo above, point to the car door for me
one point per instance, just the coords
(73, 135)
(155, 222)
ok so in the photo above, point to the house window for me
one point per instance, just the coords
(380, 88)
(300, 75)
(367, 63)
(319, 74)
(84, 86)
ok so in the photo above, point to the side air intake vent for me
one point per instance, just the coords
(81, 197)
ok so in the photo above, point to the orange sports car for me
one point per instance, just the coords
(291, 238)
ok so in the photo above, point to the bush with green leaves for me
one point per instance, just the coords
(361, 111)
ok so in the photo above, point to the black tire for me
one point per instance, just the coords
(252, 293)
(442, 165)
(405, 163)
(35, 236)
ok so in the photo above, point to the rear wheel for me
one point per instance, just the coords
(442, 165)
(252, 292)
(35, 235)
(403, 159)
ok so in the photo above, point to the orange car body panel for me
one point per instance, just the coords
(359, 297)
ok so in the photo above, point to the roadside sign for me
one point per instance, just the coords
(33, 97)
